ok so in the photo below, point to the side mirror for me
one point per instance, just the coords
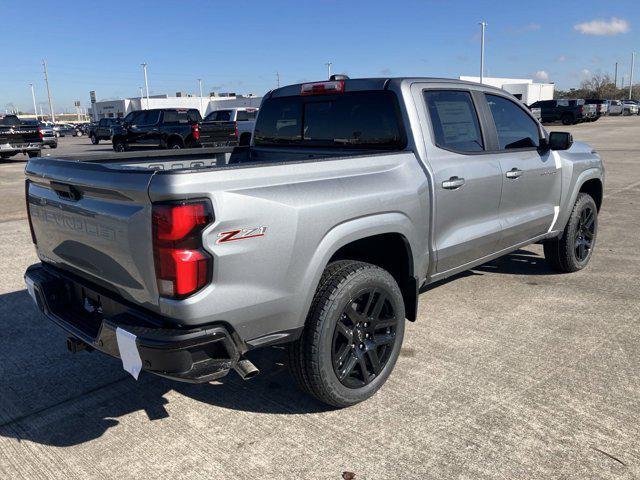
(560, 140)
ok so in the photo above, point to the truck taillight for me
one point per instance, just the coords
(182, 265)
(195, 131)
(40, 134)
(235, 129)
(581, 109)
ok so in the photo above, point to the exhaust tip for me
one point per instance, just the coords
(246, 369)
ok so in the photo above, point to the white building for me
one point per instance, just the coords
(524, 89)
(120, 108)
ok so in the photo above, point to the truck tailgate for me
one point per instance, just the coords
(19, 135)
(217, 133)
(95, 222)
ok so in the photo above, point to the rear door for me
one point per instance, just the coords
(531, 178)
(467, 181)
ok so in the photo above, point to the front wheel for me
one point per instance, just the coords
(120, 146)
(573, 250)
(95, 140)
(352, 336)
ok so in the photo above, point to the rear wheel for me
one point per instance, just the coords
(175, 144)
(120, 145)
(95, 140)
(567, 119)
(245, 139)
(353, 334)
(35, 154)
(573, 250)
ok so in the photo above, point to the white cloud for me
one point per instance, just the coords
(561, 58)
(585, 73)
(532, 27)
(614, 26)
(541, 76)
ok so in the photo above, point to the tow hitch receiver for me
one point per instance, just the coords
(75, 345)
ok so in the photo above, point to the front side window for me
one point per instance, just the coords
(515, 128)
(454, 120)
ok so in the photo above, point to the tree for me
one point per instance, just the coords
(599, 86)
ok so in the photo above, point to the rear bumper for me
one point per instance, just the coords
(20, 148)
(143, 343)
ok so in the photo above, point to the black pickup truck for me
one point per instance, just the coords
(160, 127)
(567, 111)
(102, 129)
(17, 137)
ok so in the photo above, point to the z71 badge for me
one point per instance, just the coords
(241, 234)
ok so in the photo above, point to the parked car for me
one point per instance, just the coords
(602, 106)
(567, 111)
(102, 129)
(231, 126)
(48, 137)
(16, 137)
(353, 195)
(536, 112)
(615, 107)
(630, 107)
(64, 129)
(164, 128)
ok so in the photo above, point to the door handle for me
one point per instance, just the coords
(514, 173)
(453, 183)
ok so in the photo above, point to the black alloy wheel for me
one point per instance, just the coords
(364, 338)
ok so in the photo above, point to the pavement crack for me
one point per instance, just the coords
(609, 455)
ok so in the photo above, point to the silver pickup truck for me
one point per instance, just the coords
(353, 194)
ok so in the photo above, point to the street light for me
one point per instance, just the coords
(483, 26)
(200, 85)
(33, 97)
(146, 83)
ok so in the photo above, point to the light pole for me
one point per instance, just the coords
(278, 79)
(33, 97)
(146, 83)
(615, 76)
(633, 59)
(200, 85)
(328, 64)
(483, 26)
(46, 80)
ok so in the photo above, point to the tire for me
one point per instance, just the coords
(175, 144)
(572, 251)
(337, 327)
(95, 140)
(53, 145)
(567, 119)
(35, 154)
(4, 156)
(57, 134)
(245, 139)
(120, 146)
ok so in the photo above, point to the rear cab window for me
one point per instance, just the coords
(353, 120)
(219, 116)
(246, 115)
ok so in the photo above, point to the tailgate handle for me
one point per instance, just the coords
(65, 190)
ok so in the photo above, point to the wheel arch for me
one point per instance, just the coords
(174, 138)
(594, 188)
(386, 240)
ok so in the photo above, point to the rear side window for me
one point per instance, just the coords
(182, 117)
(516, 129)
(358, 120)
(245, 115)
(219, 116)
(455, 120)
(148, 117)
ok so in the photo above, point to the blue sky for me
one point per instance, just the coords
(240, 45)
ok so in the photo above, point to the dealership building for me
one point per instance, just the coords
(524, 89)
(120, 108)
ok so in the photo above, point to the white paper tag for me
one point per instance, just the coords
(129, 354)
(30, 288)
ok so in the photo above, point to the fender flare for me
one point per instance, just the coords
(350, 231)
(586, 175)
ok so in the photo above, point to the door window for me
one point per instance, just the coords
(455, 120)
(515, 128)
(149, 117)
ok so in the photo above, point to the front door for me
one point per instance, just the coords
(531, 185)
(467, 181)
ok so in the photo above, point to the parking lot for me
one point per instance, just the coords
(511, 371)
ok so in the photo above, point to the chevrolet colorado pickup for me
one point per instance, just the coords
(18, 136)
(353, 195)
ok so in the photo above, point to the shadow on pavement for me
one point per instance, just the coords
(53, 397)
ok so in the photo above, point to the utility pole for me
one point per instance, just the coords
(278, 79)
(146, 83)
(33, 97)
(200, 85)
(483, 26)
(141, 96)
(615, 76)
(46, 80)
(633, 59)
(328, 64)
